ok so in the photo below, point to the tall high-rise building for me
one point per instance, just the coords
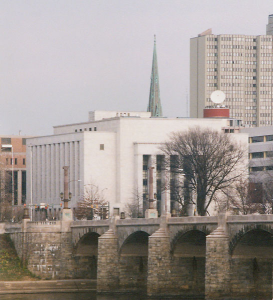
(154, 105)
(269, 26)
(239, 65)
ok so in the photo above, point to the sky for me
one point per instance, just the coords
(60, 59)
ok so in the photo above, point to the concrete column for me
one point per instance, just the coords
(57, 170)
(217, 276)
(54, 197)
(165, 194)
(43, 173)
(158, 282)
(48, 195)
(108, 277)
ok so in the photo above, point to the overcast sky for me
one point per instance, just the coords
(60, 59)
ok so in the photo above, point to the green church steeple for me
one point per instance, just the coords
(154, 100)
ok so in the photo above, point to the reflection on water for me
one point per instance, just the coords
(77, 296)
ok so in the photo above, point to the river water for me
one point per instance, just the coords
(77, 296)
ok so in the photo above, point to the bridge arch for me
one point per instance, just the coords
(124, 232)
(251, 252)
(86, 256)
(78, 233)
(240, 233)
(133, 260)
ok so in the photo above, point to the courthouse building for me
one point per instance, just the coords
(112, 151)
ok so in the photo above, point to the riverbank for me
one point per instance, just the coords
(11, 267)
(48, 286)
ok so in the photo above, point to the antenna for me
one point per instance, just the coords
(217, 97)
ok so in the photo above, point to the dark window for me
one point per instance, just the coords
(11, 161)
(7, 161)
(76, 130)
(269, 138)
(15, 189)
(231, 130)
(24, 141)
(269, 168)
(257, 139)
(15, 161)
(80, 129)
(95, 128)
(101, 146)
(256, 169)
(90, 129)
(269, 153)
(145, 182)
(257, 155)
(24, 187)
(6, 141)
(24, 161)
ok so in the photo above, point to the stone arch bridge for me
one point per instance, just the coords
(211, 257)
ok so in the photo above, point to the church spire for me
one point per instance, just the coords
(154, 100)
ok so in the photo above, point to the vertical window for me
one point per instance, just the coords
(95, 128)
(15, 161)
(101, 146)
(7, 161)
(24, 141)
(24, 161)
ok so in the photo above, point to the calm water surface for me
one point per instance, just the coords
(77, 296)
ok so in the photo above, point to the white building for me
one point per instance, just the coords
(239, 65)
(260, 152)
(112, 150)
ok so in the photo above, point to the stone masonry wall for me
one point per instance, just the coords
(158, 282)
(47, 250)
(86, 267)
(133, 272)
(250, 277)
(108, 277)
(217, 276)
(188, 276)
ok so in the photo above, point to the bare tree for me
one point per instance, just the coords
(244, 197)
(5, 195)
(208, 160)
(134, 209)
(93, 204)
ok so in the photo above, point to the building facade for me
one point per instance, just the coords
(112, 151)
(260, 152)
(13, 168)
(239, 65)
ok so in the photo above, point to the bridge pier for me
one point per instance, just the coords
(159, 279)
(217, 275)
(107, 275)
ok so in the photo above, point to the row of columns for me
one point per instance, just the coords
(46, 162)
(159, 280)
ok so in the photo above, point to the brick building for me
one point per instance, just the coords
(13, 168)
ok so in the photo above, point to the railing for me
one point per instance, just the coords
(250, 218)
(87, 223)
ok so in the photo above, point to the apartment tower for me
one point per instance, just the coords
(240, 66)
